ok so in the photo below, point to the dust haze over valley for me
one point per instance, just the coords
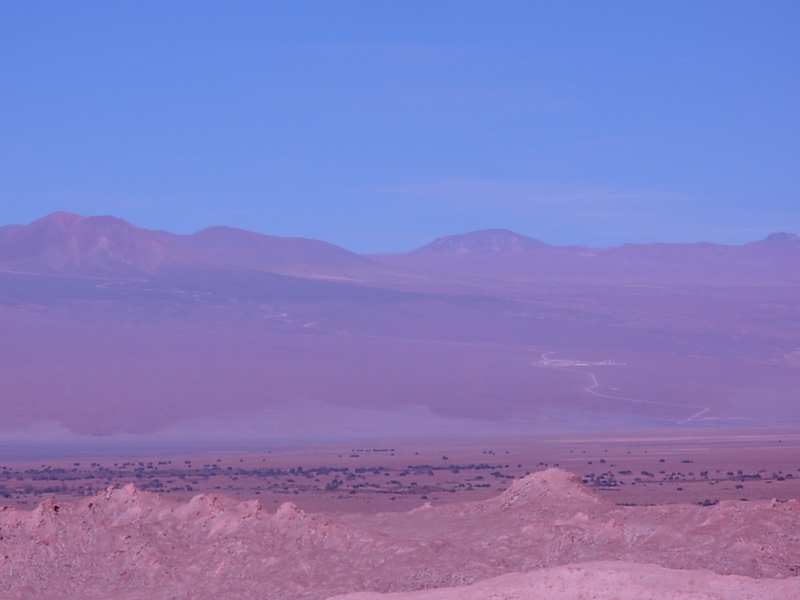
(117, 331)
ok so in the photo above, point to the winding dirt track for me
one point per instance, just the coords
(592, 389)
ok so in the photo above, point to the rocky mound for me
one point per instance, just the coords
(128, 544)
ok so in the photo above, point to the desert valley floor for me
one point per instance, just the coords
(694, 467)
(690, 517)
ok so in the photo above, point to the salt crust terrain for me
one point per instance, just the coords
(547, 536)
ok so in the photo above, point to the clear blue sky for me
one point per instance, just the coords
(381, 125)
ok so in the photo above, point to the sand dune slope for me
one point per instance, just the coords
(605, 581)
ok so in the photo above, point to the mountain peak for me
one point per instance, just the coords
(59, 219)
(486, 241)
(782, 236)
(68, 243)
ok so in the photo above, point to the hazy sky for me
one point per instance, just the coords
(381, 125)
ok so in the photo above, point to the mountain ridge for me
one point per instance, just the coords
(485, 241)
(261, 252)
(69, 243)
(105, 246)
(782, 236)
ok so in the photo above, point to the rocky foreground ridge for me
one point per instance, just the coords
(542, 538)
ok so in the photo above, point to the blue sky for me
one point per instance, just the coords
(381, 125)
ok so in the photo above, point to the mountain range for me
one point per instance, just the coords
(107, 246)
(110, 328)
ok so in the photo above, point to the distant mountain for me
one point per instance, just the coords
(69, 243)
(288, 256)
(499, 257)
(64, 243)
(9, 228)
(227, 321)
(487, 241)
(782, 236)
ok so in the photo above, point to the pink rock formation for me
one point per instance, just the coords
(536, 536)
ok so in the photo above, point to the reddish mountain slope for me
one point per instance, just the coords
(100, 246)
(289, 256)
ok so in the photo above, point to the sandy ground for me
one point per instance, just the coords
(699, 468)
(604, 581)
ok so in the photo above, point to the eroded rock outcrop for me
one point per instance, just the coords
(126, 544)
